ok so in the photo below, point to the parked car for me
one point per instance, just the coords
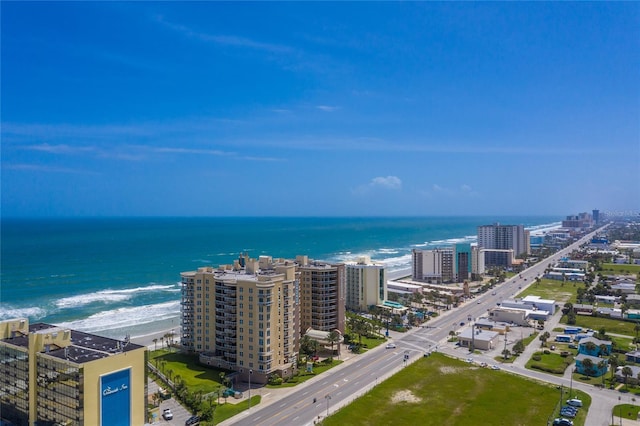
(562, 422)
(568, 411)
(192, 421)
(167, 414)
(575, 402)
(391, 346)
(470, 360)
(495, 367)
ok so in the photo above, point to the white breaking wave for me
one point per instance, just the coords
(109, 296)
(125, 317)
(8, 312)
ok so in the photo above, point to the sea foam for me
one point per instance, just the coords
(9, 312)
(125, 317)
(108, 296)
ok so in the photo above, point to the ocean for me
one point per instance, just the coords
(119, 276)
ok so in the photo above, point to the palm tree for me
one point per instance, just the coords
(587, 366)
(602, 367)
(162, 342)
(590, 347)
(155, 344)
(604, 350)
(333, 338)
(637, 328)
(614, 362)
(626, 372)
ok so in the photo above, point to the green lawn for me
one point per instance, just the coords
(611, 325)
(625, 268)
(442, 391)
(626, 411)
(226, 411)
(304, 376)
(550, 363)
(196, 376)
(554, 290)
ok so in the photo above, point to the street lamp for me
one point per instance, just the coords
(250, 373)
(328, 398)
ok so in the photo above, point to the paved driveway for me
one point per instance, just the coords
(180, 414)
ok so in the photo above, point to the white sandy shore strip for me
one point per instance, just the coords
(147, 339)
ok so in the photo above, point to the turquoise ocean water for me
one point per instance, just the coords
(117, 276)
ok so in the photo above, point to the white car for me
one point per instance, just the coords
(495, 367)
(167, 414)
(391, 346)
(470, 360)
(575, 402)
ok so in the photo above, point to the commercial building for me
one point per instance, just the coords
(504, 237)
(243, 317)
(366, 284)
(322, 294)
(478, 339)
(579, 221)
(56, 376)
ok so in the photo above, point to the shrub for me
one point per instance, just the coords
(547, 351)
(537, 357)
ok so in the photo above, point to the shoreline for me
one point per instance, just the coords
(147, 339)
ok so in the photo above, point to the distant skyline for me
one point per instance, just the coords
(319, 109)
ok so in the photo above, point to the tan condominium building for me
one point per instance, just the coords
(322, 295)
(366, 284)
(51, 375)
(243, 317)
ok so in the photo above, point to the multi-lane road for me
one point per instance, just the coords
(337, 387)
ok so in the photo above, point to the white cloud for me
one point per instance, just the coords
(437, 187)
(465, 188)
(390, 182)
(385, 182)
(46, 169)
(223, 39)
(327, 108)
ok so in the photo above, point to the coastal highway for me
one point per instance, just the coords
(341, 385)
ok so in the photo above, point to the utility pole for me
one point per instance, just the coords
(505, 345)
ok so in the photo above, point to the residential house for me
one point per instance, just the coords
(594, 370)
(594, 347)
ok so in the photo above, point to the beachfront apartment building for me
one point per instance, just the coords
(243, 317)
(433, 266)
(477, 261)
(52, 375)
(442, 265)
(322, 295)
(366, 284)
(503, 243)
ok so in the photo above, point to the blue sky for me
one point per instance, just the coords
(315, 109)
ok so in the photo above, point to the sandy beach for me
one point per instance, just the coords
(147, 340)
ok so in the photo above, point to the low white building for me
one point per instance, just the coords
(479, 339)
(538, 303)
(509, 315)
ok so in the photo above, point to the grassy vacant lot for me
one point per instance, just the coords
(626, 411)
(552, 289)
(611, 325)
(443, 391)
(195, 376)
(614, 267)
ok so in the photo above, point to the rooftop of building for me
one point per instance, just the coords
(84, 347)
